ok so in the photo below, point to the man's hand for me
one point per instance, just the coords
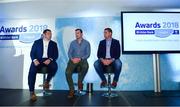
(36, 62)
(76, 60)
(106, 61)
(109, 61)
(103, 61)
(47, 62)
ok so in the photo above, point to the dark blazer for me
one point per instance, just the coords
(37, 50)
(114, 51)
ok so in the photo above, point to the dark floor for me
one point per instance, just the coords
(11, 97)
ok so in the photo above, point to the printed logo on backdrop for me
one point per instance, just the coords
(23, 33)
(161, 30)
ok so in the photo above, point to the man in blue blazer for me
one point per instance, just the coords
(108, 54)
(44, 52)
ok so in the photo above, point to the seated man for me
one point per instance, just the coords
(44, 52)
(108, 54)
(78, 54)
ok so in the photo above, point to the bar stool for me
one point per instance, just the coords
(44, 71)
(108, 71)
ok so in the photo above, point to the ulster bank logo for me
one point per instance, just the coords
(163, 33)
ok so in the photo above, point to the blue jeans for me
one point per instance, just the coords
(117, 65)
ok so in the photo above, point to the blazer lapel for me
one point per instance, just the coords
(49, 48)
(112, 45)
(41, 47)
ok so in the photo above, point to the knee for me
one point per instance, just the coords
(86, 65)
(118, 63)
(96, 63)
(32, 69)
(68, 72)
(53, 66)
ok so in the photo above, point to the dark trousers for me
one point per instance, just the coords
(52, 69)
(71, 67)
(117, 65)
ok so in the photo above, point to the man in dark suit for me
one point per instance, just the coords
(108, 54)
(44, 52)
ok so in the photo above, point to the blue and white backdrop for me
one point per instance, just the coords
(15, 45)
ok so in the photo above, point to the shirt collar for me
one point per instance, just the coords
(81, 40)
(45, 40)
(110, 39)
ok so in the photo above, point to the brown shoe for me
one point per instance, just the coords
(103, 84)
(46, 85)
(80, 86)
(71, 94)
(33, 96)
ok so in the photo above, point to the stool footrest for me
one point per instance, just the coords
(43, 93)
(110, 95)
(80, 93)
(42, 85)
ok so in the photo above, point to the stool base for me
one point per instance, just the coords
(79, 93)
(110, 95)
(43, 93)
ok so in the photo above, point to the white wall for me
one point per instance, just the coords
(77, 8)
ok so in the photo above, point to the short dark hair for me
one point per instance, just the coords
(46, 30)
(79, 30)
(108, 29)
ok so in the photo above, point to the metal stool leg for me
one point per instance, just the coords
(44, 92)
(109, 94)
(78, 92)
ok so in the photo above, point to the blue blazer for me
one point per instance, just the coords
(37, 50)
(114, 50)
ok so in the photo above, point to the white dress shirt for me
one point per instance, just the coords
(45, 48)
